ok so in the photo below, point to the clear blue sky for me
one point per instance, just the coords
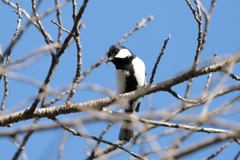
(106, 22)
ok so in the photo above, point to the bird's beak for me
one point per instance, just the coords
(109, 60)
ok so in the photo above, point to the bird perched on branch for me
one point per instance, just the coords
(131, 75)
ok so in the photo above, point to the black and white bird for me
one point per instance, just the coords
(131, 75)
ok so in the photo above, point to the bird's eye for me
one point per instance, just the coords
(116, 51)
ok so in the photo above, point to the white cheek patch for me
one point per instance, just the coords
(123, 53)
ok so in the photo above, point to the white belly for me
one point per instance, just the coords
(121, 80)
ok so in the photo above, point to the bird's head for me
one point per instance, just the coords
(117, 52)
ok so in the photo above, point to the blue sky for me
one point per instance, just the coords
(106, 22)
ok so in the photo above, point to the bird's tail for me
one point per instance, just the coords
(126, 131)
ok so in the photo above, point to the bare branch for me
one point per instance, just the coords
(207, 19)
(62, 144)
(183, 99)
(219, 150)
(22, 146)
(79, 56)
(78, 18)
(199, 21)
(139, 25)
(166, 124)
(60, 26)
(93, 138)
(44, 33)
(31, 19)
(158, 59)
(201, 144)
(32, 53)
(99, 104)
(4, 66)
(5, 95)
(231, 75)
(236, 157)
(16, 32)
(59, 21)
(24, 156)
(209, 77)
(101, 136)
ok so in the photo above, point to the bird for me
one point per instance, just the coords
(130, 76)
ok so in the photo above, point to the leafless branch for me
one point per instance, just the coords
(62, 144)
(99, 104)
(183, 99)
(236, 157)
(60, 26)
(4, 66)
(207, 20)
(231, 75)
(5, 95)
(24, 156)
(59, 21)
(31, 54)
(44, 33)
(139, 25)
(78, 18)
(93, 138)
(198, 18)
(158, 59)
(22, 146)
(201, 144)
(219, 150)
(79, 56)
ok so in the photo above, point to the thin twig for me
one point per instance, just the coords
(24, 156)
(183, 99)
(189, 85)
(94, 138)
(219, 150)
(101, 136)
(236, 157)
(1, 55)
(79, 56)
(230, 74)
(165, 124)
(44, 33)
(236, 140)
(4, 66)
(60, 26)
(139, 25)
(201, 144)
(62, 144)
(31, 19)
(158, 59)
(59, 21)
(76, 23)
(18, 26)
(209, 77)
(207, 19)
(199, 21)
(33, 53)
(5, 94)
(25, 139)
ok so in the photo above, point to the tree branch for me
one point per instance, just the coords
(99, 104)
(158, 59)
